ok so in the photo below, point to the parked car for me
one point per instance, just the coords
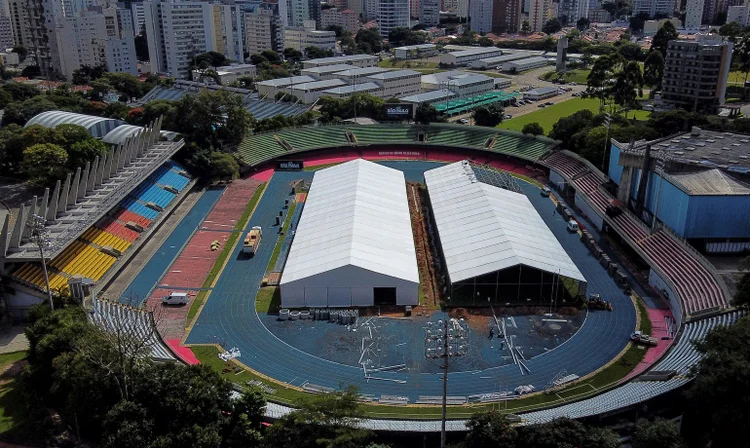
(463, 121)
(542, 106)
(549, 103)
(508, 116)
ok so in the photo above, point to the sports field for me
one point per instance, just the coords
(548, 116)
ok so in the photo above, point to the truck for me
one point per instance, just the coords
(252, 240)
(645, 339)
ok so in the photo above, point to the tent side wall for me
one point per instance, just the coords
(349, 286)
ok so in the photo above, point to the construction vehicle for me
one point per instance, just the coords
(252, 240)
(596, 303)
(645, 339)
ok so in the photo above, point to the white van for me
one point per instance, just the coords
(175, 298)
(572, 226)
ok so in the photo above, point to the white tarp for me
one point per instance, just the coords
(483, 228)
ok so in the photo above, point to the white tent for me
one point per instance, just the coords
(354, 244)
(484, 228)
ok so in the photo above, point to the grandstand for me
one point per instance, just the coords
(98, 248)
(691, 279)
(134, 327)
(260, 148)
(258, 107)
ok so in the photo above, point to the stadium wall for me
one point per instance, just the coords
(659, 284)
(594, 217)
(556, 178)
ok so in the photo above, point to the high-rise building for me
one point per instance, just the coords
(392, 14)
(371, 8)
(302, 10)
(6, 33)
(539, 12)
(506, 16)
(573, 10)
(693, 14)
(263, 29)
(139, 16)
(346, 19)
(414, 8)
(429, 12)
(180, 30)
(739, 14)
(696, 72)
(481, 16)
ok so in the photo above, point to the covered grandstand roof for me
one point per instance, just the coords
(121, 133)
(485, 228)
(355, 214)
(714, 182)
(96, 126)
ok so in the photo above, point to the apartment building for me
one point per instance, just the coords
(301, 38)
(481, 16)
(346, 19)
(696, 72)
(179, 30)
(429, 12)
(392, 14)
(264, 29)
(506, 16)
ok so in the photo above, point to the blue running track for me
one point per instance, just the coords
(141, 286)
(229, 316)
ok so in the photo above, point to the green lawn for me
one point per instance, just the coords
(225, 252)
(14, 425)
(578, 76)
(549, 115)
(737, 78)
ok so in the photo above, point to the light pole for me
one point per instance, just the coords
(607, 121)
(39, 236)
(659, 169)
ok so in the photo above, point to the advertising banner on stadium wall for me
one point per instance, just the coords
(289, 165)
(398, 111)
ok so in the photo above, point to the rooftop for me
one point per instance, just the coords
(286, 81)
(429, 96)
(713, 182)
(394, 74)
(319, 84)
(364, 87)
(356, 213)
(364, 71)
(455, 77)
(485, 227)
(416, 47)
(343, 59)
(509, 57)
(709, 149)
(328, 68)
(473, 51)
(528, 60)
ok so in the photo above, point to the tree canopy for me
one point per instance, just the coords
(490, 115)
(552, 26)
(662, 37)
(44, 162)
(533, 129)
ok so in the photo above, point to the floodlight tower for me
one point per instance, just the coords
(39, 235)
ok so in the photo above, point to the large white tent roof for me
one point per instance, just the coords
(484, 228)
(355, 214)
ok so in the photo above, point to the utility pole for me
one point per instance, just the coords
(39, 236)
(607, 121)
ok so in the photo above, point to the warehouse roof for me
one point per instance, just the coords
(364, 87)
(708, 183)
(327, 84)
(429, 96)
(355, 214)
(394, 74)
(361, 71)
(327, 68)
(286, 81)
(484, 228)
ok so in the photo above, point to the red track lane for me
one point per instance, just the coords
(658, 330)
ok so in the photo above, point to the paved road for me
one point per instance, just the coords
(229, 317)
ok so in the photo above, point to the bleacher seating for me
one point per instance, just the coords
(90, 255)
(680, 359)
(256, 149)
(122, 319)
(697, 287)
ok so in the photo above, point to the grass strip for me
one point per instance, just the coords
(225, 252)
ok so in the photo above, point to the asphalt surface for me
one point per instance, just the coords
(229, 318)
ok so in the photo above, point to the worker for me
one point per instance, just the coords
(492, 333)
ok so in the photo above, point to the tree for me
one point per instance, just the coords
(271, 56)
(321, 421)
(209, 59)
(533, 129)
(22, 52)
(317, 52)
(662, 37)
(490, 115)
(85, 151)
(637, 21)
(426, 114)
(552, 26)
(211, 118)
(84, 74)
(485, 41)
(224, 166)
(154, 109)
(20, 92)
(717, 413)
(290, 54)
(565, 433)
(567, 127)
(31, 71)
(732, 31)
(525, 27)
(659, 433)
(336, 29)
(21, 112)
(125, 83)
(371, 38)
(628, 86)
(490, 428)
(742, 295)
(116, 110)
(44, 163)
(741, 55)
(653, 70)
(583, 23)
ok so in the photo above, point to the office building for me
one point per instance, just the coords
(429, 12)
(392, 14)
(415, 51)
(539, 14)
(139, 16)
(6, 32)
(302, 10)
(693, 14)
(414, 8)
(346, 19)
(302, 38)
(264, 29)
(463, 84)
(397, 83)
(370, 8)
(466, 57)
(695, 73)
(653, 7)
(179, 30)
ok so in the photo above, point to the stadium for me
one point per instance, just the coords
(373, 237)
